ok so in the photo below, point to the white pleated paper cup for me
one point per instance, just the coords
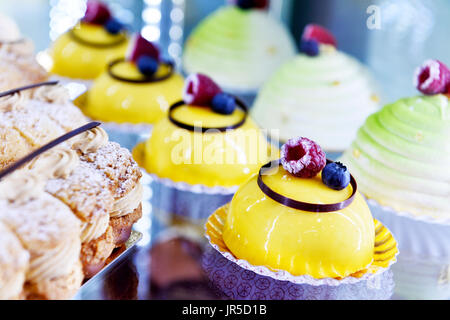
(421, 271)
(192, 203)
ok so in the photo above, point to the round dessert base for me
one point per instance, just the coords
(238, 279)
(193, 203)
(423, 267)
(236, 283)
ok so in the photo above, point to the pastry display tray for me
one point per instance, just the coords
(114, 261)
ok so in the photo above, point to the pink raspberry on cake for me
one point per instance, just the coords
(302, 157)
(200, 90)
(432, 77)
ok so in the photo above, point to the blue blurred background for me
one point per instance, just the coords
(410, 30)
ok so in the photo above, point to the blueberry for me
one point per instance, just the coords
(245, 4)
(309, 47)
(147, 65)
(113, 26)
(335, 176)
(223, 103)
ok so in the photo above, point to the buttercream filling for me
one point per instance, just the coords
(56, 163)
(54, 263)
(21, 187)
(90, 141)
(93, 230)
(128, 203)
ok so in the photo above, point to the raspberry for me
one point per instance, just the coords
(432, 77)
(302, 157)
(142, 47)
(200, 90)
(320, 34)
(96, 12)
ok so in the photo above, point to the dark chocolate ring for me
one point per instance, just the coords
(96, 44)
(16, 165)
(143, 80)
(31, 86)
(203, 129)
(304, 206)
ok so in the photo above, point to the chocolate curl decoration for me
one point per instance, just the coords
(205, 129)
(31, 86)
(18, 164)
(299, 205)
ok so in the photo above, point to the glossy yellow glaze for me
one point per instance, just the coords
(117, 101)
(211, 159)
(264, 232)
(73, 59)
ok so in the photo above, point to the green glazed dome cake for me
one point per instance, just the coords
(326, 95)
(238, 48)
(401, 155)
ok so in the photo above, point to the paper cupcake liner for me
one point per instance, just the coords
(364, 284)
(126, 134)
(191, 202)
(76, 87)
(421, 279)
(235, 282)
(423, 267)
(416, 237)
(421, 218)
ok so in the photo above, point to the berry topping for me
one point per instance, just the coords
(335, 176)
(96, 12)
(318, 33)
(223, 103)
(113, 26)
(432, 77)
(309, 47)
(147, 65)
(200, 90)
(302, 157)
(252, 4)
(142, 47)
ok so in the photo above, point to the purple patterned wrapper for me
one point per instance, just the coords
(237, 283)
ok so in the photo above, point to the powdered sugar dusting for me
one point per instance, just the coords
(41, 224)
(117, 165)
(85, 191)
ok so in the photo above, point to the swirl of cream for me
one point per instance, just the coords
(22, 186)
(128, 203)
(56, 163)
(90, 141)
(54, 263)
(52, 93)
(93, 230)
(13, 101)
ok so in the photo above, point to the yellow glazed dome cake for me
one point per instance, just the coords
(18, 64)
(85, 50)
(135, 90)
(298, 225)
(199, 147)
